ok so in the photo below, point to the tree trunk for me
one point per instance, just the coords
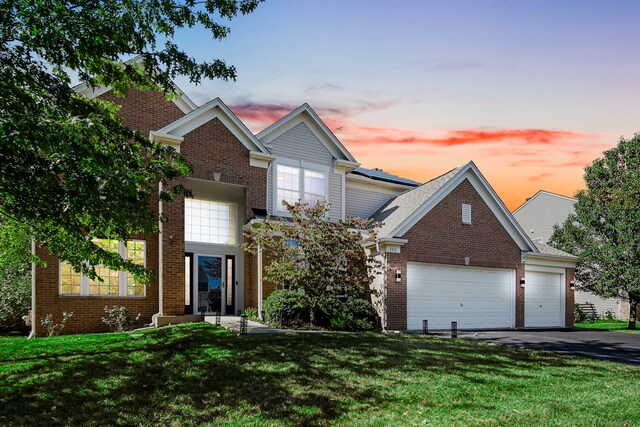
(633, 307)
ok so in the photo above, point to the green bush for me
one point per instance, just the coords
(289, 309)
(252, 314)
(341, 321)
(350, 314)
(15, 298)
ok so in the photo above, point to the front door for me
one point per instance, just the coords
(210, 273)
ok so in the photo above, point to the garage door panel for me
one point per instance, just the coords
(543, 300)
(476, 298)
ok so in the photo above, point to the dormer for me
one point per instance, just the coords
(310, 163)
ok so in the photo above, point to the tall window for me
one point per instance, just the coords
(210, 222)
(114, 283)
(293, 184)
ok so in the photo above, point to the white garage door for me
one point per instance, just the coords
(476, 298)
(543, 300)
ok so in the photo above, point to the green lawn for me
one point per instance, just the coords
(199, 374)
(608, 325)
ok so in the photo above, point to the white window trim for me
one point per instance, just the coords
(302, 165)
(122, 278)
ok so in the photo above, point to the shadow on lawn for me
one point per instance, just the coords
(201, 374)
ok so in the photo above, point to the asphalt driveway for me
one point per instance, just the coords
(621, 347)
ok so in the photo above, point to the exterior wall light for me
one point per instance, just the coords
(522, 282)
(466, 260)
(398, 276)
(572, 285)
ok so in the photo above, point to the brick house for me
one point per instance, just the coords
(450, 248)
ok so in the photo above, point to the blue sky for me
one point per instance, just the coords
(531, 91)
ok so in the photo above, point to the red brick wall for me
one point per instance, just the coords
(440, 237)
(213, 148)
(570, 300)
(143, 111)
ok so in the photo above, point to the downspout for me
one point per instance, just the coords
(260, 281)
(33, 289)
(160, 258)
(384, 291)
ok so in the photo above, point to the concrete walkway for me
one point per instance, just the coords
(232, 323)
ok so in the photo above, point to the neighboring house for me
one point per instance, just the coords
(451, 249)
(537, 216)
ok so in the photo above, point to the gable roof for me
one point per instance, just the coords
(305, 114)
(547, 193)
(209, 111)
(405, 210)
(380, 175)
(182, 101)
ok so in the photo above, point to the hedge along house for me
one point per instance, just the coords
(239, 177)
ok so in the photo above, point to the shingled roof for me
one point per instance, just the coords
(398, 209)
(380, 175)
(550, 250)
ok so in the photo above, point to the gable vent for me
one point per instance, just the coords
(466, 214)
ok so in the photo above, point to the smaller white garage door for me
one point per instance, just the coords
(476, 298)
(543, 300)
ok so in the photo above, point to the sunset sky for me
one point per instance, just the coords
(530, 91)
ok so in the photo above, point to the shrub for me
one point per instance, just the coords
(350, 314)
(252, 314)
(286, 309)
(15, 298)
(341, 321)
(55, 328)
(118, 319)
(362, 313)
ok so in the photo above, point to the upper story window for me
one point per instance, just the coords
(114, 283)
(293, 184)
(210, 222)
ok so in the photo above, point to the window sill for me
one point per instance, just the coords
(103, 296)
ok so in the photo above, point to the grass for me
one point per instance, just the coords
(608, 325)
(202, 375)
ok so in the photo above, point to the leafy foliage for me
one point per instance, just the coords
(118, 319)
(286, 309)
(605, 229)
(68, 167)
(15, 275)
(252, 314)
(315, 256)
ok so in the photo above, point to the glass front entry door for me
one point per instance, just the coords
(210, 283)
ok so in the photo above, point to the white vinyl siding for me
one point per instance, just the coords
(335, 196)
(542, 213)
(300, 143)
(476, 298)
(363, 200)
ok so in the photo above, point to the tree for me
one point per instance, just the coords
(69, 169)
(605, 229)
(15, 276)
(314, 255)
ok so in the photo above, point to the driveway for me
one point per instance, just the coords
(621, 347)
